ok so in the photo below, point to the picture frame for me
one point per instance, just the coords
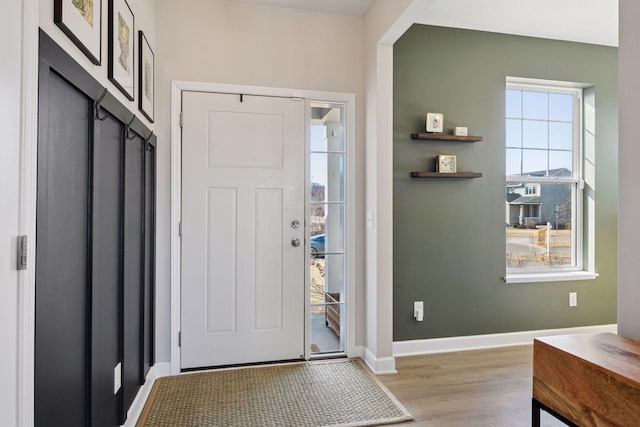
(146, 79)
(435, 122)
(121, 47)
(81, 21)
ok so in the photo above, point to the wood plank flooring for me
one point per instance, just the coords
(472, 388)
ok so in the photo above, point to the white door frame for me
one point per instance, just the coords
(177, 87)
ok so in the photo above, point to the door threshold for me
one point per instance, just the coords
(241, 365)
(328, 356)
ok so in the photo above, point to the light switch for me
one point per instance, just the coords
(369, 219)
(117, 378)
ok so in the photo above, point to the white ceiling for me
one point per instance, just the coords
(586, 21)
(346, 7)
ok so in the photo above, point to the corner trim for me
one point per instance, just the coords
(475, 342)
(27, 218)
(379, 366)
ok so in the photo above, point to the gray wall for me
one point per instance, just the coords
(629, 232)
(449, 234)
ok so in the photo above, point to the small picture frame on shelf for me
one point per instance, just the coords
(146, 77)
(435, 122)
(81, 21)
(121, 40)
(461, 131)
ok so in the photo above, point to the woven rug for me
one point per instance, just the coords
(327, 393)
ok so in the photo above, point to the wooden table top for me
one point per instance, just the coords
(618, 356)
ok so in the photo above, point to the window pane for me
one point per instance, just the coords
(514, 104)
(560, 136)
(560, 107)
(514, 133)
(318, 138)
(534, 162)
(514, 161)
(560, 162)
(325, 321)
(327, 228)
(327, 275)
(535, 105)
(539, 228)
(327, 127)
(327, 177)
(534, 134)
(327, 302)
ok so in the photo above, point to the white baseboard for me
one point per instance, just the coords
(475, 342)
(380, 365)
(158, 370)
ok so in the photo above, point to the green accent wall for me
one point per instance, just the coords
(449, 235)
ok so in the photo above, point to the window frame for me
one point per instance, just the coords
(576, 270)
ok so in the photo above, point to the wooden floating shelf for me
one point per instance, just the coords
(446, 175)
(445, 137)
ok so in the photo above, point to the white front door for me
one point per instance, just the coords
(242, 285)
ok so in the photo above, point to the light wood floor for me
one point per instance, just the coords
(472, 388)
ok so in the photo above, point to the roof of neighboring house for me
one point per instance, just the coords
(512, 196)
(527, 200)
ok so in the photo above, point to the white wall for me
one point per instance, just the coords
(10, 110)
(144, 19)
(628, 159)
(219, 41)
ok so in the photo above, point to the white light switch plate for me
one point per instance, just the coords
(117, 378)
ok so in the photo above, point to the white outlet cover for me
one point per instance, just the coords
(573, 299)
(117, 378)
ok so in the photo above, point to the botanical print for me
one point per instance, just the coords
(123, 40)
(148, 72)
(85, 7)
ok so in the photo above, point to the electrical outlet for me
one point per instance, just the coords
(573, 299)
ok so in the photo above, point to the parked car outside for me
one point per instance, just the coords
(317, 246)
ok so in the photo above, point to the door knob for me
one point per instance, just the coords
(295, 242)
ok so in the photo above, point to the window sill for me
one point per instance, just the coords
(550, 277)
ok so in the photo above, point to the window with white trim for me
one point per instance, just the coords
(544, 181)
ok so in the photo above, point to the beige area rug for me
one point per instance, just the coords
(326, 393)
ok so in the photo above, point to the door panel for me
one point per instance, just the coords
(243, 180)
(221, 261)
(268, 285)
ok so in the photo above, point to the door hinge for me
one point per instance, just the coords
(22, 253)
(179, 338)
(181, 119)
(180, 229)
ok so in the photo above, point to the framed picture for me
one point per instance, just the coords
(435, 122)
(121, 39)
(146, 70)
(81, 21)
